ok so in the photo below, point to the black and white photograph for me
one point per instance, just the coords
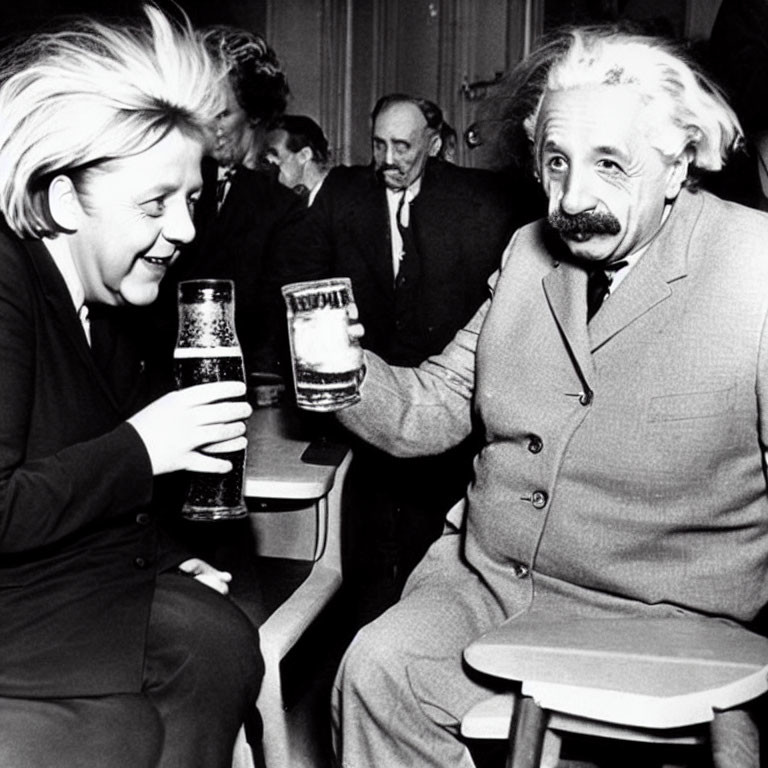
(384, 384)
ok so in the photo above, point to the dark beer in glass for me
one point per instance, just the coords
(207, 350)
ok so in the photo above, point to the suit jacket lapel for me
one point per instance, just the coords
(642, 289)
(63, 311)
(370, 223)
(648, 282)
(565, 287)
(428, 211)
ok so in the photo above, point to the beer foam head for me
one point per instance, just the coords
(321, 340)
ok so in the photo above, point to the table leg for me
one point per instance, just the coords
(526, 734)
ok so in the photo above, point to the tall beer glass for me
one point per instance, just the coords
(207, 350)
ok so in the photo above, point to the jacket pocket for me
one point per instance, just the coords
(692, 405)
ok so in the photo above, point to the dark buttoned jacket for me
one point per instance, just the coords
(461, 221)
(80, 544)
(239, 241)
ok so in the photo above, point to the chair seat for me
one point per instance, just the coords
(490, 719)
(659, 673)
(261, 587)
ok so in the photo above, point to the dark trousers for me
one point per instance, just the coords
(201, 678)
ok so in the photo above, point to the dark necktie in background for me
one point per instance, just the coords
(599, 281)
(222, 185)
(303, 192)
(409, 244)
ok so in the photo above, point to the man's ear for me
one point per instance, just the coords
(678, 174)
(435, 143)
(64, 204)
(305, 155)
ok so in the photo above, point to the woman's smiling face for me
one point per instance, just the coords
(134, 214)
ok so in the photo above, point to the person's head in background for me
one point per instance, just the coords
(449, 144)
(102, 129)
(297, 146)
(405, 133)
(255, 92)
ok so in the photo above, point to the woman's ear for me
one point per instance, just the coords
(64, 204)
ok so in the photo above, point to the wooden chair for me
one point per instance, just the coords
(294, 485)
(285, 558)
(657, 680)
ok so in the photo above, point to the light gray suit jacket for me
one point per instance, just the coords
(624, 458)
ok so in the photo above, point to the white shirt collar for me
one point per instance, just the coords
(393, 202)
(633, 258)
(58, 247)
(394, 195)
(313, 192)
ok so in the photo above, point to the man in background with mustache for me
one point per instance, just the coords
(419, 238)
(619, 375)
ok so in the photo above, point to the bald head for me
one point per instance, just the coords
(401, 142)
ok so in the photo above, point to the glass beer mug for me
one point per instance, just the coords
(326, 362)
(207, 350)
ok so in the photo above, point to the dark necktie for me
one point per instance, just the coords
(599, 282)
(302, 191)
(221, 185)
(101, 337)
(409, 245)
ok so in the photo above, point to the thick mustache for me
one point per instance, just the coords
(584, 223)
(387, 167)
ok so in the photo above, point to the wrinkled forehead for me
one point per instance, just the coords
(402, 120)
(593, 116)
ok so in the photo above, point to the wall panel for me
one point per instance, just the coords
(341, 55)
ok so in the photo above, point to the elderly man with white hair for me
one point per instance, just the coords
(620, 377)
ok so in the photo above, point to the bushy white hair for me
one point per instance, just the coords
(689, 112)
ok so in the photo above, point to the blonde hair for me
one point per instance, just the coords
(689, 112)
(93, 92)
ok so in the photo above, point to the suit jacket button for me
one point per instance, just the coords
(535, 444)
(142, 518)
(521, 571)
(140, 562)
(539, 499)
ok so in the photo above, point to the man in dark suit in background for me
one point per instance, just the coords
(419, 238)
(297, 147)
(243, 211)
